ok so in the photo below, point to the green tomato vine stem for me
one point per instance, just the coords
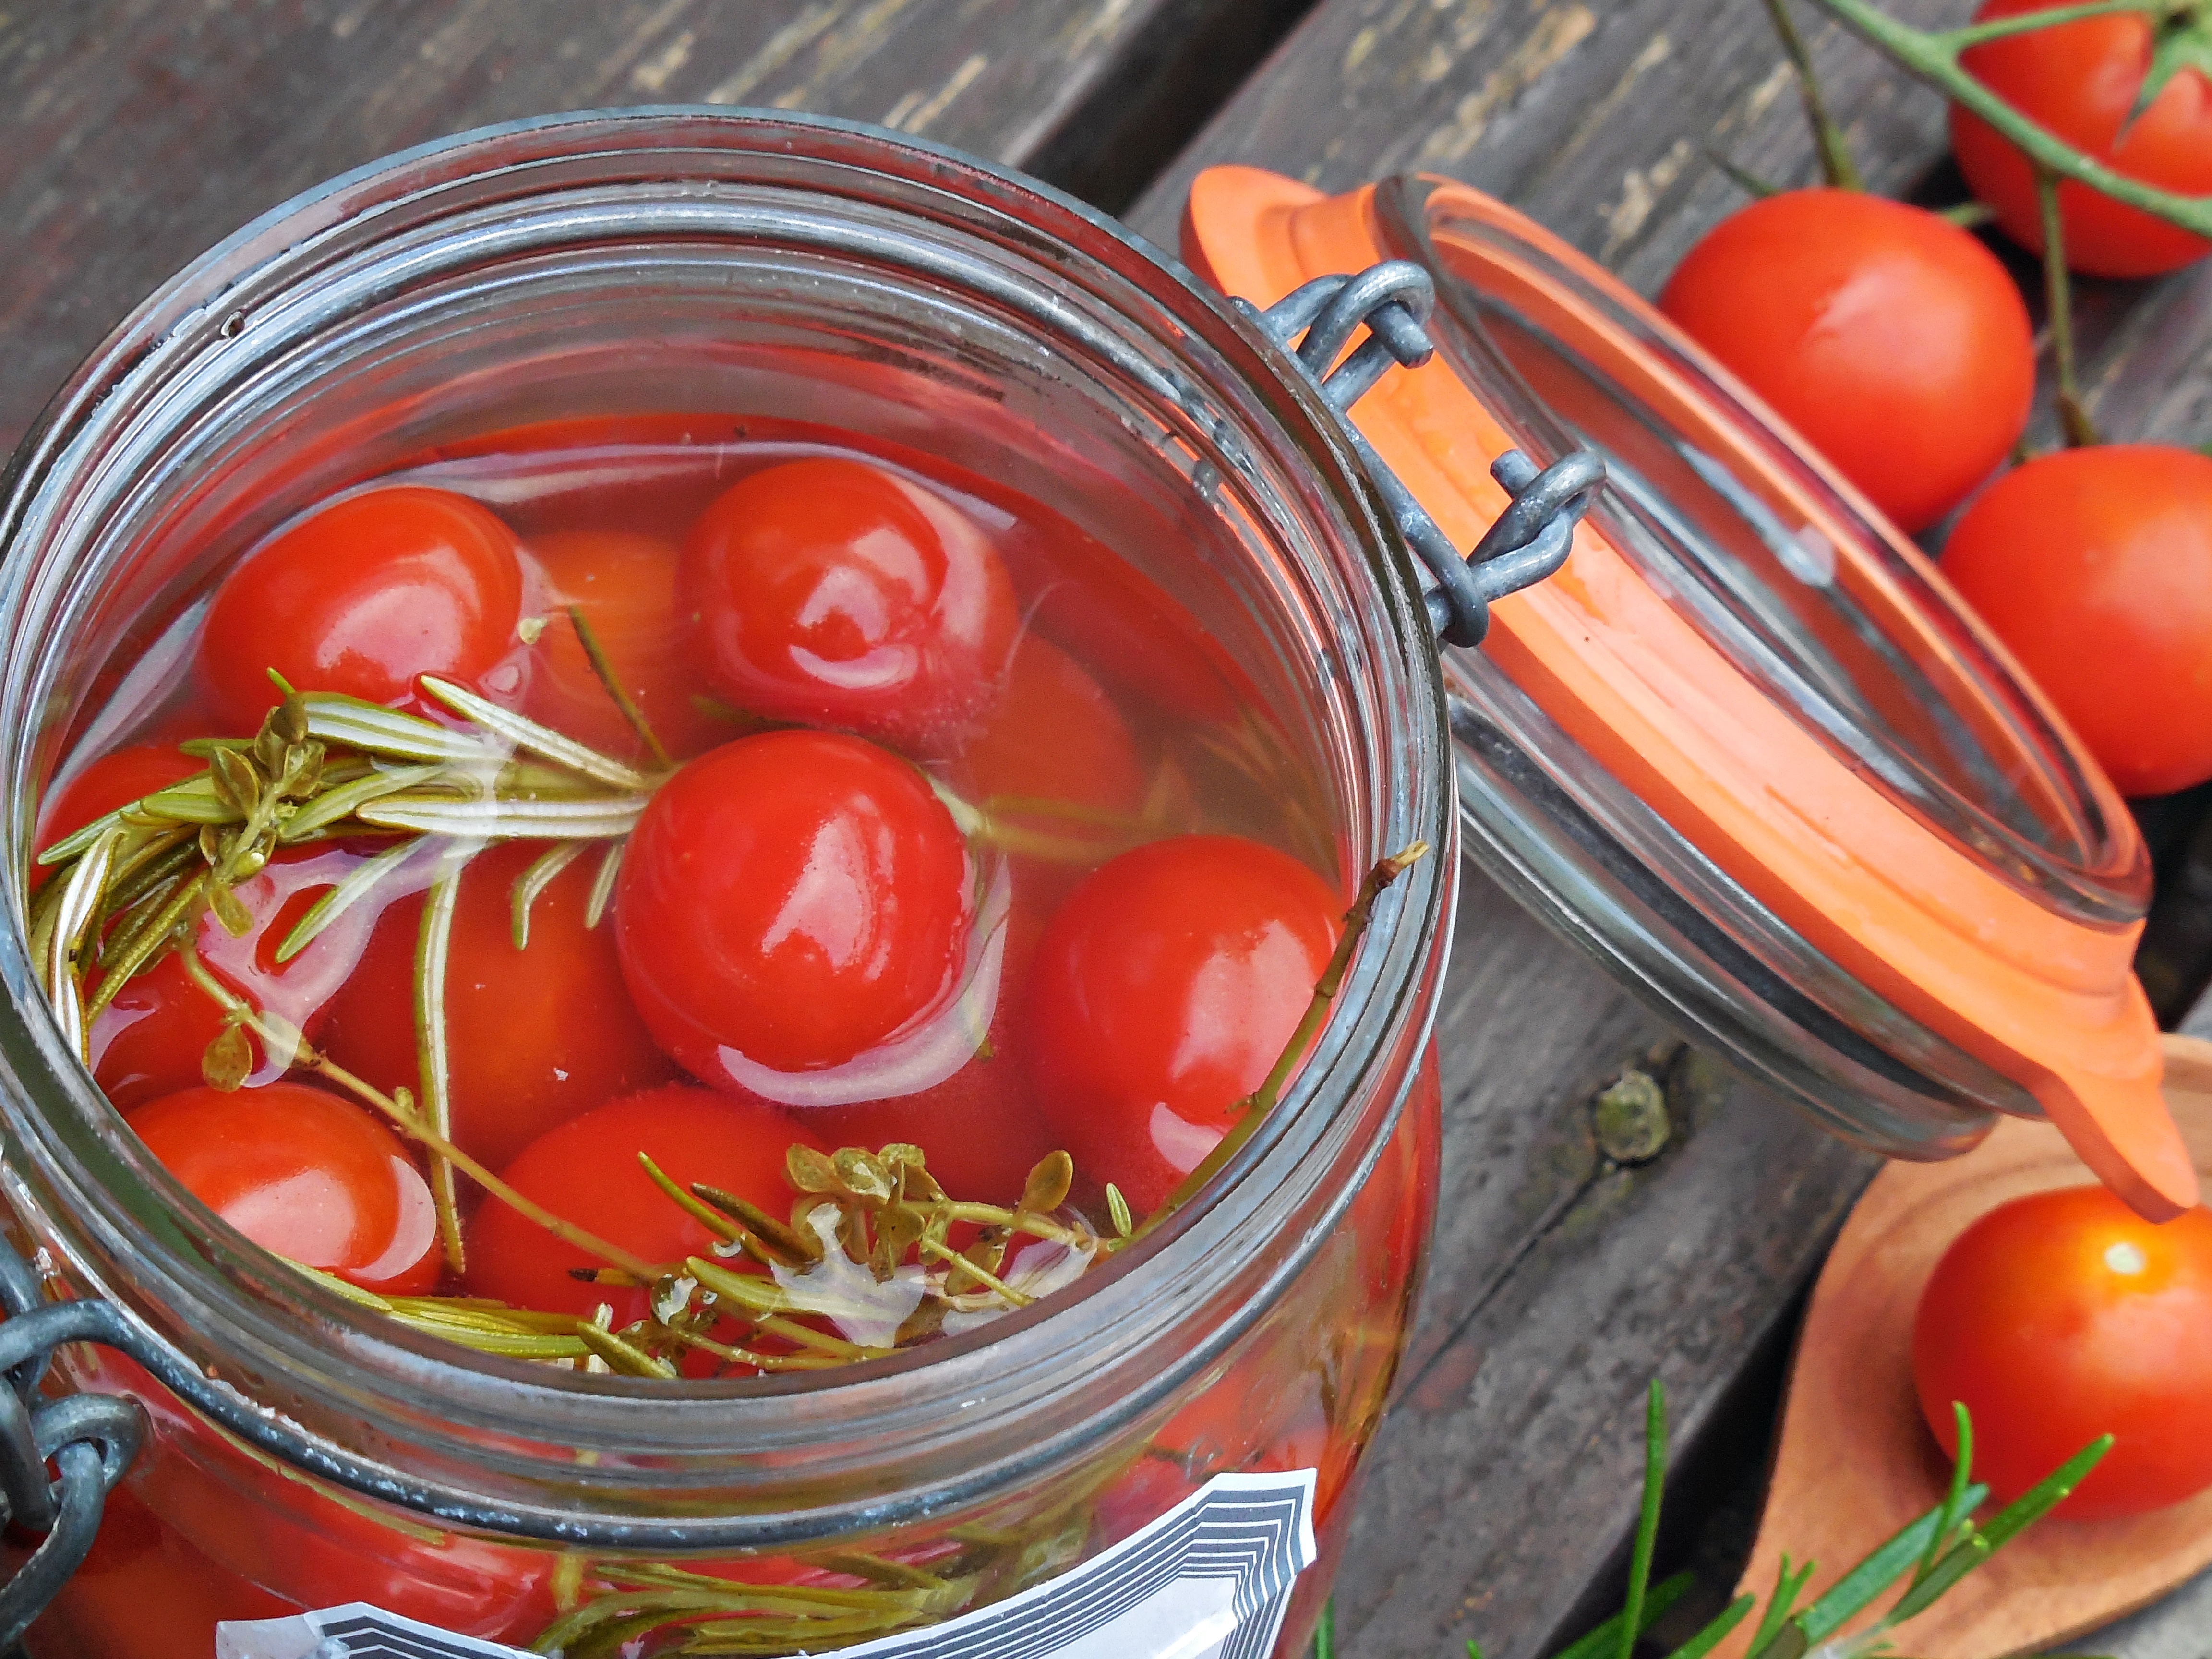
(1935, 56)
(1836, 165)
(2074, 418)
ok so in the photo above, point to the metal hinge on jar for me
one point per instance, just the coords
(1529, 541)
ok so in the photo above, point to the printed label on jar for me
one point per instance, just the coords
(1210, 1579)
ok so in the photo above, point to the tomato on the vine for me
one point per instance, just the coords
(1164, 993)
(1886, 335)
(624, 585)
(2094, 566)
(361, 597)
(149, 1040)
(534, 1037)
(587, 1171)
(2083, 82)
(788, 902)
(305, 1174)
(828, 592)
(2064, 1316)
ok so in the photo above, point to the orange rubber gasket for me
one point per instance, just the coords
(2048, 1002)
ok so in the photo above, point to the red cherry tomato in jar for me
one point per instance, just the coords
(587, 1171)
(149, 1040)
(2063, 1316)
(793, 899)
(2094, 566)
(361, 597)
(828, 592)
(624, 584)
(1164, 991)
(2082, 81)
(980, 1130)
(145, 1592)
(1055, 737)
(534, 1037)
(1886, 335)
(304, 1174)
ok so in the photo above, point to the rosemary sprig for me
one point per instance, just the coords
(433, 949)
(1931, 1555)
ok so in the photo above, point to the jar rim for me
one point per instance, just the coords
(78, 1176)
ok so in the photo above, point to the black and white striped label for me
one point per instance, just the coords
(1210, 1579)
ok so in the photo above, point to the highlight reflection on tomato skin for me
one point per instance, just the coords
(797, 896)
(1164, 993)
(829, 592)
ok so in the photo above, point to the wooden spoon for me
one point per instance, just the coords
(1855, 1461)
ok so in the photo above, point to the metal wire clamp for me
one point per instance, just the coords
(1529, 541)
(90, 1439)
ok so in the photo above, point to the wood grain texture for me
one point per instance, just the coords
(135, 133)
(1597, 118)
(1501, 1485)
(1502, 1491)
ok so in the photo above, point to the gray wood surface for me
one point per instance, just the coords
(134, 133)
(1502, 1487)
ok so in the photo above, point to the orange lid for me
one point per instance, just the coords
(1738, 640)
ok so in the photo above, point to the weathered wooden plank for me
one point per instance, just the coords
(134, 133)
(1500, 1486)
(2179, 1627)
(1595, 118)
(1502, 1491)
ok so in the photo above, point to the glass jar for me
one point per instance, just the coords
(1747, 749)
(622, 267)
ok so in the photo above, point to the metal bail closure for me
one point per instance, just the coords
(90, 1439)
(1528, 541)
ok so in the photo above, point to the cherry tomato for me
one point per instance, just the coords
(2062, 1316)
(2080, 81)
(533, 1037)
(149, 1042)
(980, 1131)
(831, 593)
(1055, 736)
(1055, 758)
(2095, 567)
(1887, 336)
(1164, 993)
(788, 901)
(305, 1174)
(587, 1171)
(625, 586)
(361, 597)
(260, 1542)
(144, 1591)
